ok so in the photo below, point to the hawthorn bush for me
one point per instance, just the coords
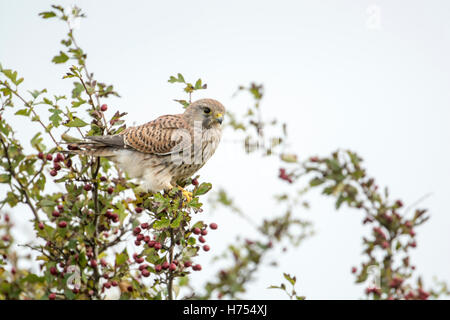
(95, 231)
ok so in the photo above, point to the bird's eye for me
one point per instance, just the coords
(207, 110)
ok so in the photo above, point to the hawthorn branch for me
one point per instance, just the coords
(22, 188)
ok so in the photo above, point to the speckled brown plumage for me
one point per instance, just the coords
(166, 150)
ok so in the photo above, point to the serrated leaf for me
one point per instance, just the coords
(76, 122)
(203, 188)
(161, 224)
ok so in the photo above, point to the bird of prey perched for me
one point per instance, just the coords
(166, 151)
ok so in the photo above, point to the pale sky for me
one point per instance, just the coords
(340, 78)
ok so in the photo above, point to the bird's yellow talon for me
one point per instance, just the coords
(187, 194)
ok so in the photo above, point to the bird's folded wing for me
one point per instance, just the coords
(162, 136)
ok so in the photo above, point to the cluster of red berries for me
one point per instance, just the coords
(284, 176)
(421, 295)
(137, 232)
(202, 233)
(57, 160)
(374, 290)
(396, 282)
(112, 216)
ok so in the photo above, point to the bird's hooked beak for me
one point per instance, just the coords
(219, 117)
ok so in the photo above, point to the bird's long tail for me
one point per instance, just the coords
(98, 146)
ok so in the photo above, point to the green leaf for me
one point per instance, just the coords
(289, 278)
(61, 58)
(203, 188)
(316, 182)
(180, 78)
(76, 122)
(161, 224)
(121, 258)
(23, 112)
(47, 14)
(198, 84)
(55, 117)
(176, 223)
(5, 178)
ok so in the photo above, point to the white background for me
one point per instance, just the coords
(335, 78)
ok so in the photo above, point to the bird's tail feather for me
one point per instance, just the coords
(98, 146)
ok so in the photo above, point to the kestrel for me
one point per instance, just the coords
(166, 151)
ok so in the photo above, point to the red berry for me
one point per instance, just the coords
(114, 283)
(151, 243)
(140, 237)
(197, 267)
(172, 267)
(158, 245)
(62, 224)
(107, 285)
(102, 178)
(206, 247)
(138, 209)
(110, 190)
(41, 155)
(49, 157)
(87, 187)
(195, 182)
(55, 213)
(385, 244)
(187, 264)
(103, 262)
(137, 242)
(145, 273)
(143, 266)
(93, 263)
(399, 203)
(41, 225)
(136, 231)
(354, 269)
(53, 271)
(59, 157)
(412, 233)
(140, 260)
(57, 167)
(52, 296)
(165, 265)
(204, 232)
(213, 226)
(197, 231)
(53, 172)
(104, 107)
(60, 207)
(201, 239)
(144, 225)
(147, 239)
(158, 268)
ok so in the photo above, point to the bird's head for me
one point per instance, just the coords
(209, 111)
